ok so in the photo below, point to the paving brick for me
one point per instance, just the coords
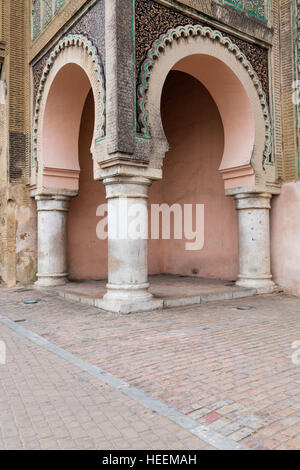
(210, 418)
(241, 434)
(63, 416)
(199, 413)
(220, 424)
(294, 444)
(231, 427)
(210, 356)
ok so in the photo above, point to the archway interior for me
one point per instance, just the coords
(61, 126)
(87, 254)
(233, 105)
(195, 133)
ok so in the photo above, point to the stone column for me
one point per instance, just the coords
(254, 241)
(52, 239)
(127, 288)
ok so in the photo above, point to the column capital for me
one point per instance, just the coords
(128, 167)
(54, 202)
(246, 201)
(127, 187)
(273, 189)
(53, 192)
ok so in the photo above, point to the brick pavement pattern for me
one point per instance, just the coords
(46, 403)
(229, 369)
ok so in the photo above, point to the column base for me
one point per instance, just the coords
(51, 280)
(262, 285)
(127, 299)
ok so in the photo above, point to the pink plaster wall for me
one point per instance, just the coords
(195, 134)
(235, 108)
(87, 255)
(285, 235)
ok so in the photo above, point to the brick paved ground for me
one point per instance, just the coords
(229, 369)
(46, 403)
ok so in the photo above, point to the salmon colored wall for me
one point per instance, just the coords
(285, 231)
(87, 254)
(195, 134)
(234, 106)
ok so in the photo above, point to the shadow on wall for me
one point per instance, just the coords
(194, 130)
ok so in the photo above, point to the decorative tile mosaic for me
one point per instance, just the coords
(256, 8)
(91, 25)
(153, 19)
(37, 71)
(36, 18)
(47, 11)
(236, 3)
(59, 4)
(43, 12)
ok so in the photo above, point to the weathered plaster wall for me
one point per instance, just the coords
(3, 134)
(3, 169)
(195, 133)
(18, 235)
(87, 255)
(26, 235)
(17, 209)
(285, 229)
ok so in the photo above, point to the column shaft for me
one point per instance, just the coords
(52, 240)
(127, 244)
(254, 241)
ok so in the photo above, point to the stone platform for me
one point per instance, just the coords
(168, 291)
